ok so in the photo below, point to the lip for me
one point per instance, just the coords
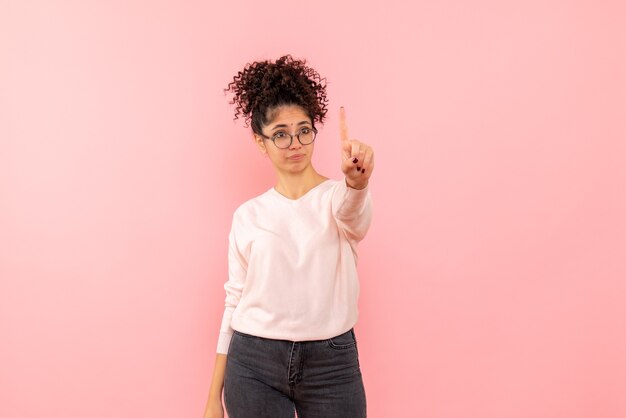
(296, 157)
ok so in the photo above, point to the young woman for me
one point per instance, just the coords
(287, 342)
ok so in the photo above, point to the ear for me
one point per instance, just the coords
(260, 143)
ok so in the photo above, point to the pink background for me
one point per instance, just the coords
(494, 273)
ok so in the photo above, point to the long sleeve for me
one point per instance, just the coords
(292, 264)
(352, 209)
(237, 269)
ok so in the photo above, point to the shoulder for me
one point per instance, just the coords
(252, 205)
(332, 184)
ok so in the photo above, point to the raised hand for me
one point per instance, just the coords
(358, 158)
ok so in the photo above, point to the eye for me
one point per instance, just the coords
(305, 131)
(280, 135)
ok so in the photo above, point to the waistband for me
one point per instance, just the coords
(351, 330)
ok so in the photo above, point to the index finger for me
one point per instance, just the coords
(343, 128)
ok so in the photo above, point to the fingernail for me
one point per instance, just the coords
(358, 168)
(363, 171)
(355, 160)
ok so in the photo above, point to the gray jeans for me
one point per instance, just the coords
(275, 378)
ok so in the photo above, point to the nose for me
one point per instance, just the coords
(295, 144)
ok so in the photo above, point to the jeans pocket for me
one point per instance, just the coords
(342, 341)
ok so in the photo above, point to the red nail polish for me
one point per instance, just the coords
(363, 171)
(358, 168)
(355, 160)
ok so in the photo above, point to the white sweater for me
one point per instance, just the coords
(292, 264)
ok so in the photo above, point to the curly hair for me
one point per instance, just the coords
(264, 85)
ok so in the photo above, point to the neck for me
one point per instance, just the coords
(295, 185)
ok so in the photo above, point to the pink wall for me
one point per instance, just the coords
(494, 274)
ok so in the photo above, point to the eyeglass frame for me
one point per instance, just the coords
(291, 137)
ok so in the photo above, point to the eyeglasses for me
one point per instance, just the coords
(284, 140)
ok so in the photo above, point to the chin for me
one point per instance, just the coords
(297, 166)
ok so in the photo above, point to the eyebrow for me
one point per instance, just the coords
(282, 125)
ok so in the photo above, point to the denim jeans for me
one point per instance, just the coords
(275, 378)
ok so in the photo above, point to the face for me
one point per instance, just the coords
(289, 119)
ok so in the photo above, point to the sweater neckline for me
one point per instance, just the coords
(308, 193)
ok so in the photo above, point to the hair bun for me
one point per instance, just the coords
(263, 85)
